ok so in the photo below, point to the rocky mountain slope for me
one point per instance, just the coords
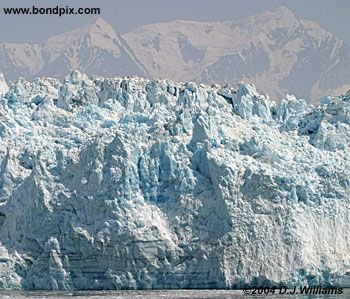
(277, 51)
(130, 183)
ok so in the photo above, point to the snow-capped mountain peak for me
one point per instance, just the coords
(96, 33)
(276, 50)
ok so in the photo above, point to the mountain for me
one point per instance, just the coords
(138, 184)
(277, 51)
(93, 48)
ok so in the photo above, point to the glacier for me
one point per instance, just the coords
(127, 183)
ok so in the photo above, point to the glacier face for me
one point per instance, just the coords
(127, 183)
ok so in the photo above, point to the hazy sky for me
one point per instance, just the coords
(125, 15)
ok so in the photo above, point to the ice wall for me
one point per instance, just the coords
(127, 183)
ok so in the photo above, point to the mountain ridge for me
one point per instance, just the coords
(93, 46)
(276, 50)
